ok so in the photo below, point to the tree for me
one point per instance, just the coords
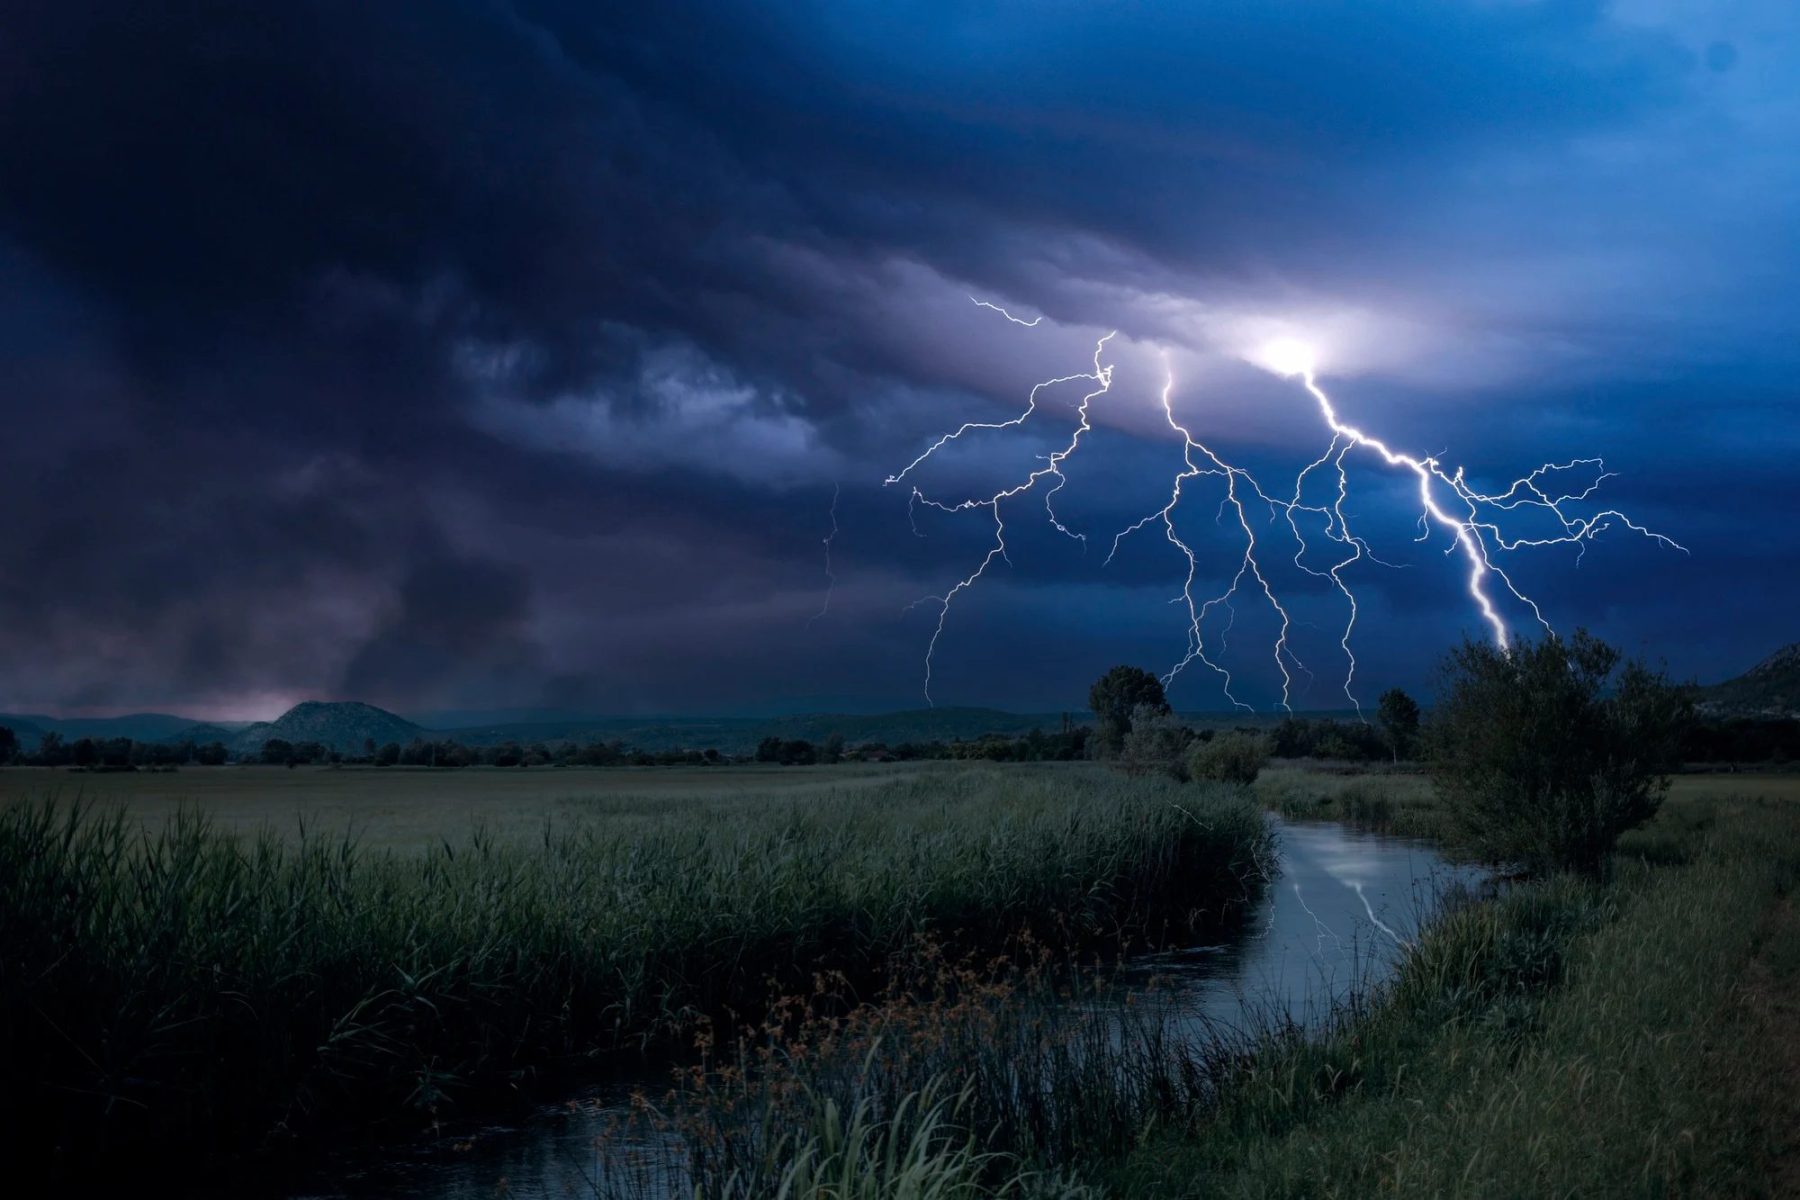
(1114, 697)
(1233, 757)
(1546, 752)
(9, 745)
(211, 755)
(388, 755)
(51, 752)
(1399, 716)
(278, 752)
(833, 749)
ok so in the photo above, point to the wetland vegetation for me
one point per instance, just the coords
(185, 988)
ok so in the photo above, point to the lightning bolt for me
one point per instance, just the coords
(1446, 499)
(1031, 324)
(1101, 378)
(1237, 482)
(1469, 532)
(830, 579)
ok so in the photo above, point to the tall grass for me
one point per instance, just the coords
(190, 990)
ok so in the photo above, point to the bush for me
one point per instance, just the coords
(1156, 743)
(1233, 757)
(1545, 753)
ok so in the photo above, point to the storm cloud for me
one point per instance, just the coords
(486, 354)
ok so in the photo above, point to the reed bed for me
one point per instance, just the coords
(1382, 801)
(190, 991)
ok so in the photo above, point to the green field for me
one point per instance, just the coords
(403, 807)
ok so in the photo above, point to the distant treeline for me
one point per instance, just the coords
(1742, 740)
(1707, 740)
(121, 754)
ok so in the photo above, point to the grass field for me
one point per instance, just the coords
(175, 985)
(402, 807)
(1402, 802)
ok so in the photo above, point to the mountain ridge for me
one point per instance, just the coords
(1771, 688)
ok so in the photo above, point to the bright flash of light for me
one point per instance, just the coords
(1287, 356)
(1446, 500)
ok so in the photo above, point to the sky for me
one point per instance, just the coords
(511, 355)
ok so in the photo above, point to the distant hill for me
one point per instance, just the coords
(1769, 689)
(343, 725)
(201, 734)
(139, 727)
(26, 729)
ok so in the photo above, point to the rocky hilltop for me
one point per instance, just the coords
(346, 726)
(1769, 689)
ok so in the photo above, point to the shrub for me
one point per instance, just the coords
(1156, 743)
(1233, 757)
(1545, 753)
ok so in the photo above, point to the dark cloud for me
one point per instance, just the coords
(496, 354)
(459, 632)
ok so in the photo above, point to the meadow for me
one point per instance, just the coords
(413, 807)
(192, 979)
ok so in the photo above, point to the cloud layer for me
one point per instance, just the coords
(507, 354)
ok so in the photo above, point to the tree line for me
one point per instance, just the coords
(1133, 726)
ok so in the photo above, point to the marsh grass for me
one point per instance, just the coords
(188, 990)
(1050, 1068)
(1566, 1038)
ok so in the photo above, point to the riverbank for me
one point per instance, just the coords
(187, 993)
(1570, 1038)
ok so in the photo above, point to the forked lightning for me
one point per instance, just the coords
(1446, 500)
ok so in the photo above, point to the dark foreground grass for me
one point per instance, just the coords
(192, 992)
(1571, 1039)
